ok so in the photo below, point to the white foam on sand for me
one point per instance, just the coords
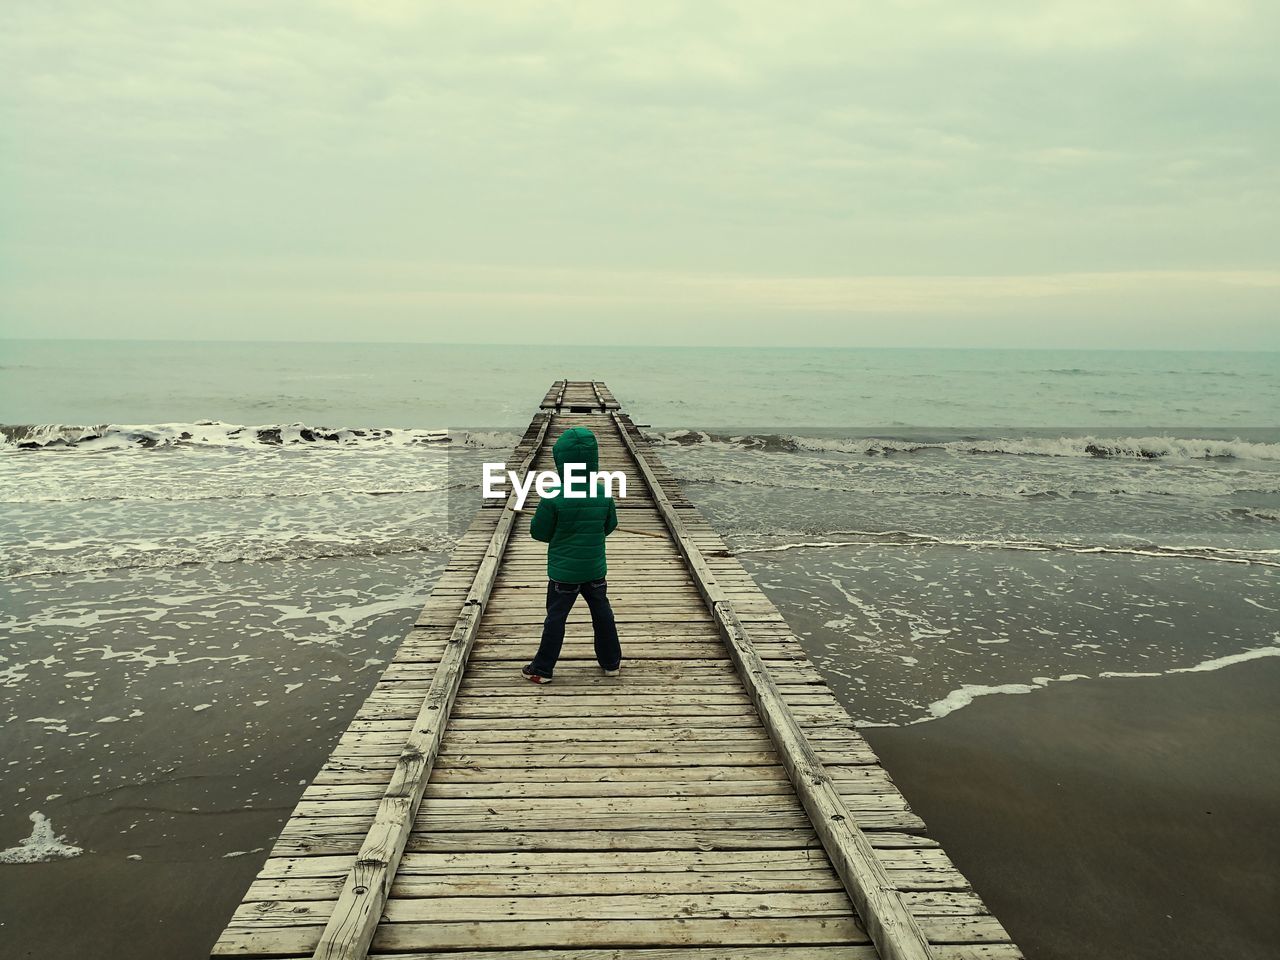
(241, 853)
(906, 538)
(969, 692)
(41, 846)
(1220, 662)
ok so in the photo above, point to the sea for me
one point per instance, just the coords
(208, 551)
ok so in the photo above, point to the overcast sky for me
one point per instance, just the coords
(1083, 173)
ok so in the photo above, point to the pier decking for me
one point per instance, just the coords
(714, 801)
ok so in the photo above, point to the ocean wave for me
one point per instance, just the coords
(1083, 447)
(906, 538)
(490, 439)
(216, 433)
(993, 488)
(1253, 513)
(81, 557)
(142, 491)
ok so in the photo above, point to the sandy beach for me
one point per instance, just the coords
(1118, 818)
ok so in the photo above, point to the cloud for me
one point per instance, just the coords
(839, 143)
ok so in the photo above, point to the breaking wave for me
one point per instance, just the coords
(216, 433)
(1000, 488)
(905, 538)
(90, 557)
(244, 491)
(1253, 513)
(1123, 448)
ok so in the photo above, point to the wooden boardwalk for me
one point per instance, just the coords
(712, 802)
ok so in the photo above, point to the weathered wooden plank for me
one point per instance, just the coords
(285, 941)
(605, 907)
(408, 886)
(571, 934)
(975, 951)
(499, 786)
(897, 851)
(793, 952)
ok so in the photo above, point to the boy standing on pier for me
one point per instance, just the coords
(574, 529)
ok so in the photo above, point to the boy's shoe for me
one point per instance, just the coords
(527, 672)
(614, 672)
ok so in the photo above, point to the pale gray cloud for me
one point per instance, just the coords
(235, 169)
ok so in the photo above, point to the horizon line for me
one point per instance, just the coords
(637, 346)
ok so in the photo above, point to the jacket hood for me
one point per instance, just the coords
(576, 445)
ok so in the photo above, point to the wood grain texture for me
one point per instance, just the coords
(885, 914)
(714, 801)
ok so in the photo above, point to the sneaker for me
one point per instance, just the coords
(527, 672)
(614, 672)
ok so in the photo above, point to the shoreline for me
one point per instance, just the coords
(1114, 818)
(1088, 817)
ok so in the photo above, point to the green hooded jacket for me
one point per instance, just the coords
(575, 527)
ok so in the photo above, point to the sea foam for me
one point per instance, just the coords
(41, 845)
(216, 433)
(905, 538)
(1083, 447)
(969, 692)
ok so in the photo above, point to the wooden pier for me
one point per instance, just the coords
(713, 802)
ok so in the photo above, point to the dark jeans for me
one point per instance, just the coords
(560, 598)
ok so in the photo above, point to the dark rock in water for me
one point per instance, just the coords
(1097, 450)
(28, 445)
(772, 442)
(312, 435)
(145, 441)
(270, 435)
(184, 435)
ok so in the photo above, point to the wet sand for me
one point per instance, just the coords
(170, 904)
(1117, 818)
(1121, 818)
(200, 782)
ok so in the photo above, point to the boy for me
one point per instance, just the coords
(574, 529)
